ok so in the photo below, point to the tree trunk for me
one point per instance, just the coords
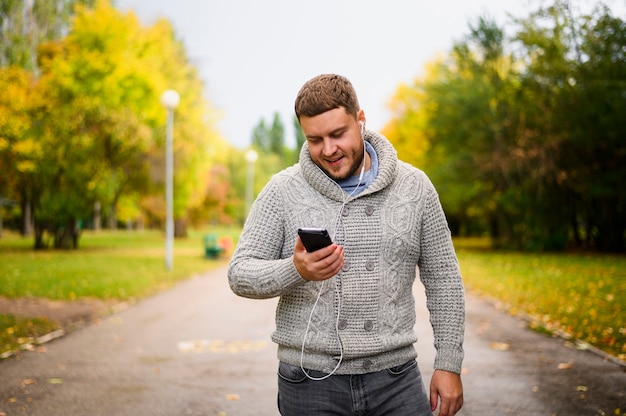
(27, 217)
(180, 228)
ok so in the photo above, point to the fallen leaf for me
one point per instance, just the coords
(581, 388)
(55, 381)
(564, 366)
(482, 327)
(232, 397)
(535, 389)
(500, 346)
(580, 345)
(28, 381)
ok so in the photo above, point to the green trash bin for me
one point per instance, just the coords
(211, 249)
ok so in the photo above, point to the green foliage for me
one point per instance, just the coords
(524, 135)
(270, 140)
(579, 295)
(300, 139)
(90, 129)
(26, 24)
(274, 154)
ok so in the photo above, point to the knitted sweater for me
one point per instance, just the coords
(388, 231)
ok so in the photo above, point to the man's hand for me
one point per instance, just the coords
(448, 387)
(318, 265)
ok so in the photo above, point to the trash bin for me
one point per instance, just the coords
(211, 249)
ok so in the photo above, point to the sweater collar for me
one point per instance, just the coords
(387, 159)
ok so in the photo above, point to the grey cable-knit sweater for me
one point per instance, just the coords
(393, 227)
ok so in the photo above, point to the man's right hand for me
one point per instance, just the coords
(318, 265)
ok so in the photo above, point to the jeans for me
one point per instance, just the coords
(396, 391)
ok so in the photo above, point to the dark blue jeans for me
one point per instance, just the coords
(396, 391)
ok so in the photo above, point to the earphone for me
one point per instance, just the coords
(363, 137)
(338, 280)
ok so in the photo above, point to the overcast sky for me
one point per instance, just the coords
(254, 55)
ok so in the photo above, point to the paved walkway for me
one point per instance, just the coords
(200, 350)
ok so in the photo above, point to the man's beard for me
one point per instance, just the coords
(359, 158)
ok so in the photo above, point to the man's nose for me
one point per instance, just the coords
(329, 147)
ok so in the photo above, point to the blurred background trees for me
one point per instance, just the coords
(82, 127)
(524, 135)
(522, 131)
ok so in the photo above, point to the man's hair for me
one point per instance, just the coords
(326, 92)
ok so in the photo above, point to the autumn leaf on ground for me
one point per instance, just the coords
(500, 346)
(564, 366)
(28, 381)
(232, 397)
(55, 381)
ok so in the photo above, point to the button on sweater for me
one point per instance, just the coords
(392, 232)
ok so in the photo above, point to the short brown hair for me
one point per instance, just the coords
(324, 93)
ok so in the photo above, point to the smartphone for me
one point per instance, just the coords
(314, 238)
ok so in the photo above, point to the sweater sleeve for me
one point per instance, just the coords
(262, 266)
(440, 273)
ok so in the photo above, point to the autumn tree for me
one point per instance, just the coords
(100, 124)
(20, 151)
(24, 26)
(512, 130)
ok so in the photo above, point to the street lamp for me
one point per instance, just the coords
(170, 100)
(251, 157)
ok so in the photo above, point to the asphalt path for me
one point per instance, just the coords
(197, 349)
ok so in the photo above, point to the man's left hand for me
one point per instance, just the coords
(448, 387)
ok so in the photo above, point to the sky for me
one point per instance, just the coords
(254, 55)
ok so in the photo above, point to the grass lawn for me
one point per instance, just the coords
(581, 295)
(578, 294)
(121, 265)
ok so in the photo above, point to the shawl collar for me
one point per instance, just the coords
(387, 160)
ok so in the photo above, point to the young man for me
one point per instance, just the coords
(345, 318)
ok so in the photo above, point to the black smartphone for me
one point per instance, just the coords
(314, 238)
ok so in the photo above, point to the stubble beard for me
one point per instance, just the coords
(358, 157)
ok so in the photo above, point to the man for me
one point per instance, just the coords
(345, 318)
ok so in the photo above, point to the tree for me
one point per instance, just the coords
(515, 139)
(20, 151)
(299, 138)
(101, 125)
(24, 26)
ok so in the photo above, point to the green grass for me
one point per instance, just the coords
(108, 265)
(580, 295)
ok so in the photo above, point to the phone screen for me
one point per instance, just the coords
(314, 238)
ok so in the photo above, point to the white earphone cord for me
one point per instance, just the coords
(338, 281)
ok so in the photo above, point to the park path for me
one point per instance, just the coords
(197, 349)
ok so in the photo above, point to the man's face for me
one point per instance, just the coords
(335, 141)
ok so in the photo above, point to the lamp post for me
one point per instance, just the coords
(251, 157)
(170, 100)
